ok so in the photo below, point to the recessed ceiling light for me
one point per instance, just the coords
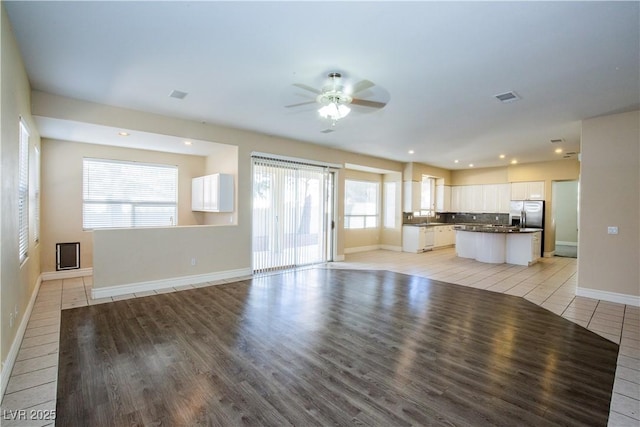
(502, 156)
(123, 133)
(470, 165)
(411, 151)
(514, 162)
(455, 161)
(558, 150)
(188, 143)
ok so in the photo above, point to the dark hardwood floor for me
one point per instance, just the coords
(330, 347)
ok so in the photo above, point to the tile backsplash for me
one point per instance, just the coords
(458, 218)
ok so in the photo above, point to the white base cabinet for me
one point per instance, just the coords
(417, 239)
(524, 248)
(212, 193)
(497, 248)
(444, 236)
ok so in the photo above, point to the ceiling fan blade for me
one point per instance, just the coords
(365, 103)
(309, 88)
(362, 85)
(299, 104)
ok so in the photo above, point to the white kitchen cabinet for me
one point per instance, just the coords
(489, 198)
(533, 190)
(443, 198)
(476, 198)
(212, 193)
(411, 196)
(524, 248)
(444, 236)
(456, 197)
(504, 198)
(417, 239)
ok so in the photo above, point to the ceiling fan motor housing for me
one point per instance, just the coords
(334, 92)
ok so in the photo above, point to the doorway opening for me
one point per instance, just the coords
(565, 207)
(293, 214)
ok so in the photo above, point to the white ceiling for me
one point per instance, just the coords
(439, 63)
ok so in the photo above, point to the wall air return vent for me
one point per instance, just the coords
(556, 141)
(67, 256)
(506, 97)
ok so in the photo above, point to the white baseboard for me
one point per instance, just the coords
(608, 296)
(361, 249)
(558, 242)
(67, 274)
(7, 366)
(152, 285)
(338, 258)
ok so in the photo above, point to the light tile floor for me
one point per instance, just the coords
(550, 284)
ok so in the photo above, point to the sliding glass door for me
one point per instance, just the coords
(292, 214)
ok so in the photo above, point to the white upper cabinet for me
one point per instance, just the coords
(443, 198)
(504, 198)
(533, 190)
(212, 193)
(490, 198)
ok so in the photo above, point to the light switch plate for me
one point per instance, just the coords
(612, 230)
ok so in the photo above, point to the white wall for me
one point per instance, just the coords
(608, 265)
(17, 281)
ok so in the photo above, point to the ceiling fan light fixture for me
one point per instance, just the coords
(334, 111)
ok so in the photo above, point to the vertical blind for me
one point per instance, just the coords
(290, 214)
(128, 194)
(23, 192)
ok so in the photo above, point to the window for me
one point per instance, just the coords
(361, 204)
(428, 196)
(23, 192)
(128, 194)
(390, 204)
(36, 194)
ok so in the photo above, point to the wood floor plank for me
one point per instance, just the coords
(330, 347)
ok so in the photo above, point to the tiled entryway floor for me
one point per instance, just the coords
(550, 284)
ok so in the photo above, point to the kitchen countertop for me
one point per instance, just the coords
(486, 228)
(480, 228)
(428, 224)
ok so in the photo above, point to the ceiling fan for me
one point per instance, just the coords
(335, 98)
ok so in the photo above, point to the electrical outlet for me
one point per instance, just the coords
(612, 230)
(15, 311)
(11, 320)
(474, 217)
(497, 217)
(230, 219)
(193, 261)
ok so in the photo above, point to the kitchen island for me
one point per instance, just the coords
(499, 244)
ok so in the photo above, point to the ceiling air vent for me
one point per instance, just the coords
(327, 131)
(178, 94)
(510, 96)
(556, 141)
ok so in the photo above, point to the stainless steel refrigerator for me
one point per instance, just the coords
(528, 214)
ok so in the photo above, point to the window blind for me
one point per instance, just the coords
(23, 192)
(290, 203)
(128, 194)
